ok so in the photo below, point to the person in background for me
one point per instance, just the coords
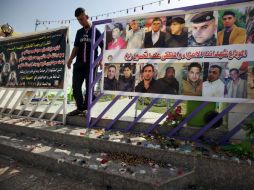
(81, 51)
(110, 82)
(231, 34)
(192, 86)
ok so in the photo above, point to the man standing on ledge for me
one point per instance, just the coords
(81, 50)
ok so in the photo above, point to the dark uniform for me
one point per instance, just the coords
(199, 18)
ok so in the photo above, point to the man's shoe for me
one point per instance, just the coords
(75, 112)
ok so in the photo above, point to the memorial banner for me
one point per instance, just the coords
(204, 55)
(36, 60)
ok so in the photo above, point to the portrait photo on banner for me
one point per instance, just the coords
(202, 28)
(194, 54)
(8, 69)
(236, 26)
(119, 77)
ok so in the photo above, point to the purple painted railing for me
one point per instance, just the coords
(93, 81)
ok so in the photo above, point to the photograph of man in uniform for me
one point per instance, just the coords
(134, 35)
(5, 73)
(155, 38)
(214, 86)
(148, 84)
(192, 86)
(203, 29)
(168, 84)
(177, 35)
(236, 87)
(110, 81)
(230, 34)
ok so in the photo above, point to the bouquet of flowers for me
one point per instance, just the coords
(174, 117)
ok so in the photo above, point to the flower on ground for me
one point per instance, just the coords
(174, 117)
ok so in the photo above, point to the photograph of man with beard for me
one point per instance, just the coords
(214, 86)
(148, 84)
(203, 29)
(168, 84)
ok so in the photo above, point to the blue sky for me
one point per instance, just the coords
(22, 14)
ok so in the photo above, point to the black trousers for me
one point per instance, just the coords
(79, 75)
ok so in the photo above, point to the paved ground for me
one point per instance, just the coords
(149, 117)
(17, 176)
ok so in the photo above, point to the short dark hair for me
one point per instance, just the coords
(179, 20)
(194, 64)
(218, 67)
(170, 68)
(112, 66)
(119, 26)
(148, 65)
(157, 19)
(79, 11)
(234, 69)
(127, 66)
(228, 13)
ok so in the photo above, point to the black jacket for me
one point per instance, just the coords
(152, 87)
(148, 43)
(110, 84)
(126, 84)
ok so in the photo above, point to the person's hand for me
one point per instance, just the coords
(69, 63)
